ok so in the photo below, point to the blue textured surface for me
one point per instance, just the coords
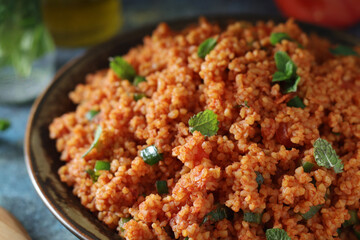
(16, 191)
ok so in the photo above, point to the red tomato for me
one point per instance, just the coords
(330, 13)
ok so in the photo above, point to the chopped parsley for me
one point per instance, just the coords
(278, 37)
(150, 155)
(276, 234)
(343, 51)
(206, 47)
(286, 73)
(95, 142)
(139, 79)
(205, 122)
(252, 217)
(122, 68)
(161, 187)
(138, 96)
(313, 210)
(221, 212)
(296, 102)
(91, 114)
(326, 156)
(4, 124)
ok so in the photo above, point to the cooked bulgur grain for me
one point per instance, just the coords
(259, 135)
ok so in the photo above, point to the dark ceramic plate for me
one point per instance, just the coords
(42, 159)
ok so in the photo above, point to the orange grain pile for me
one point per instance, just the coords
(268, 136)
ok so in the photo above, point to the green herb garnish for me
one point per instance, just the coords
(296, 102)
(205, 122)
(122, 68)
(139, 79)
(326, 156)
(221, 212)
(122, 222)
(286, 73)
(307, 166)
(313, 210)
(206, 47)
(246, 104)
(150, 155)
(91, 114)
(259, 179)
(278, 37)
(4, 124)
(187, 238)
(276, 234)
(102, 165)
(353, 219)
(162, 187)
(343, 51)
(138, 96)
(99, 165)
(252, 217)
(95, 142)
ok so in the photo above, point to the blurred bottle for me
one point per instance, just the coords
(79, 23)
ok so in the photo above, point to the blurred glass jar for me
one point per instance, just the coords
(27, 56)
(78, 23)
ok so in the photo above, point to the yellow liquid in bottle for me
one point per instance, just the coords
(75, 23)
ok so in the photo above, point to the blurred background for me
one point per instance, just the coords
(37, 37)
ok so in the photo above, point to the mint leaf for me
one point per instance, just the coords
(205, 122)
(278, 37)
(279, 76)
(343, 50)
(122, 68)
(206, 46)
(281, 58)
(296, 102)
(290, 69)
(326, 156)
(95, 142)
(313, 210)
(276, 234)
(289, 86)
(4, 124)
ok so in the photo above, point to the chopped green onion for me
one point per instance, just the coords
(122, 222)
(91, 114)
(206, 47)
(343, 50)
(278, 37)
(138, 96)
(102, 165)
(96, 140)
(93, 175)
(122, 68)
(221, 212)
(353, 219)
(307, 166)
(252, 217)
(313, 210)
(205, 122)
(276, 234)
(139, 79)
(162, 187)
(325, 156)
(4, 124)
(259, 179)
(150, 155)
(296, 102)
